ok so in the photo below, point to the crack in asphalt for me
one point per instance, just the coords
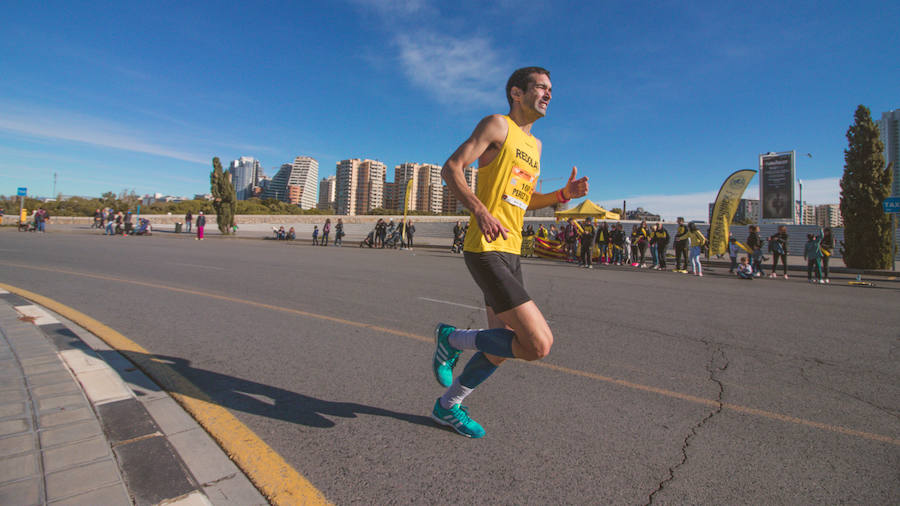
(712, 367)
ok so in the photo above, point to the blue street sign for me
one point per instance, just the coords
(891, 205)
(22, 192)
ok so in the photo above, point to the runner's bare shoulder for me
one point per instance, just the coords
(492, 129)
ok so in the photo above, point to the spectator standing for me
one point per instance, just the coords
(588, 236)
(127, 223)
(643, 239)
(571, 235)
(326, 229)
(339, 233)
(617, 236)
(201, 223)
(315, 235)
(602, 241)
(110, 222)
(827, 246)
(813, 255)
(410, 232)
(380, 232)
(732, 253)
(661, 240)
(401, 229)
(681, 246)
(188, 219)
(634, 245)
(39, 220)
(696, 243)
(778, 243)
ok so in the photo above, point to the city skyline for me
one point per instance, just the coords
(656, 106)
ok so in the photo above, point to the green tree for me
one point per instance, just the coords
(108, 199)
(865, 184)
(224, 197)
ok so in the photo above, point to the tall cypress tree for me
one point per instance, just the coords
(865, 184)
(224, 197)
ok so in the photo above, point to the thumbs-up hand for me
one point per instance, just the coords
(575, 188)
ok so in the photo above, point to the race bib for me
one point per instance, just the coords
(519, 188)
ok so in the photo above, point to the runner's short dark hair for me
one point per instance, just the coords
(520, 79)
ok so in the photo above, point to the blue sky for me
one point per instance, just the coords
(656, 102)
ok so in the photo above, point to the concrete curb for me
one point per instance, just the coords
(162, 454)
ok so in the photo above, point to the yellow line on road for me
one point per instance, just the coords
(274, 477)
(546, 365)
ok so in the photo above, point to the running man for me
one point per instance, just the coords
(509, 166)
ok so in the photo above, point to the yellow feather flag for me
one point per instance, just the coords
(726, 205)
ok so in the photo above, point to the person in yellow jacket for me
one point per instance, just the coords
(697, 241)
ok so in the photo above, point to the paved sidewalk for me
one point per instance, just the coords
(79, 424)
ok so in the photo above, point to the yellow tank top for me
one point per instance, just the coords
(505, 186)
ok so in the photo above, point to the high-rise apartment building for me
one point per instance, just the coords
(747, 211)
(244, 173)
(303, 173)
(390, 196)
(359, 186)
(889, 125)
(805, 213)
(403, 173)
(327, 193)
(370, 189)
(450, 204)
(429, 196)
(829, 215)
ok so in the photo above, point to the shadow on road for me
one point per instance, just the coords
(252, 397)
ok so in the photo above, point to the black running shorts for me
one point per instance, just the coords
(499, 275)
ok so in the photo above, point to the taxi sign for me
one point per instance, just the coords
(891, 205)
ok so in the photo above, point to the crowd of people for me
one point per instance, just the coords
(39, 219)
(119, 223)
(387, 234)
(646, 246)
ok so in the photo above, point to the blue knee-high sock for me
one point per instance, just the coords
(496, 342)
(476, 371)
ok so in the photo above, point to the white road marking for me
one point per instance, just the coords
(2, 291)
(201, 266)
(451, 303)
(40, 316)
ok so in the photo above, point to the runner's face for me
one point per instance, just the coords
(537, 97)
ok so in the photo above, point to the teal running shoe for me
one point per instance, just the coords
(458, 418)
(445, 356)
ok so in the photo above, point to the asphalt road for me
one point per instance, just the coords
(660, 387)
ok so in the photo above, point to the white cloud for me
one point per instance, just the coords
(394, 7)
(64, 125)
(695, 206)
(453, 69)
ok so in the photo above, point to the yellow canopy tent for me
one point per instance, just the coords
(585, 209)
